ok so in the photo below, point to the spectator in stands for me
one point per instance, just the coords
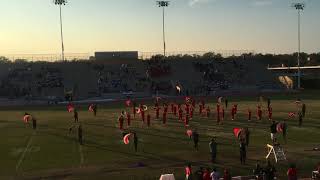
(213, 150)
(215, 174)
(292, 172)
(227, 175)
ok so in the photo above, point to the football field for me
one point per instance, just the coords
(51, 152)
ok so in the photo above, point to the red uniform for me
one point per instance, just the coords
(172, 107)
(200, 109)
(187, 108)
(165, 109)
(218, 113)
(175, 110)
(191, 113)
(259, 113)
(180, 114)
(142, 115)
(157, 112)
(249, 115)
(233, 112)
(208, 112)
(270, 113)
(121, 119)
(236, 108)
(186, 120)
(164, 118)
(128, 119)
(148, 120)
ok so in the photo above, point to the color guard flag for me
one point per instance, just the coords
(292, 114)
(236, 132)
(126, 138)
(70, 107)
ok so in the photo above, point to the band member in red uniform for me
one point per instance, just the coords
(191, 112)
(186, 120)
(218, 113)
(193, 103)
(128, 119)
(180, 114)
(157, 112)
(233, 112)
(259, 113)
(165, 108)
(164, 118)
(249, 114)
(172, 107)
(121, 119)
(200, 109)
(270, 113)
(175, 110)
(148, 119)
(236, 108)
(187, 108)
(208, 112)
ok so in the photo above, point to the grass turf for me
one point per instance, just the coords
(51, 152)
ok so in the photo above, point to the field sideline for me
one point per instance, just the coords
(51, 152)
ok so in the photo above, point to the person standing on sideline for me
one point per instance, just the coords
(243, 152)
(268, 102)
(195, 137)
(213, 150)
(135, 141)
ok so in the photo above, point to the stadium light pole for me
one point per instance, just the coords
(60, 3)
(299, 7)
(163, 4)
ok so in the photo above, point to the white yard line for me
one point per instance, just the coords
(25, 151)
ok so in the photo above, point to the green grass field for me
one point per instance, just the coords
(51, 152)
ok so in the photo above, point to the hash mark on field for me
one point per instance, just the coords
(25, 151)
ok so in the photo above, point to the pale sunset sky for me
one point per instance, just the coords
(267, 26)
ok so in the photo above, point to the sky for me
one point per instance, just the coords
(267, 26)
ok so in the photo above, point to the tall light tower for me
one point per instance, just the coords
(163, 4)
(299, 7)
(61, 3)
